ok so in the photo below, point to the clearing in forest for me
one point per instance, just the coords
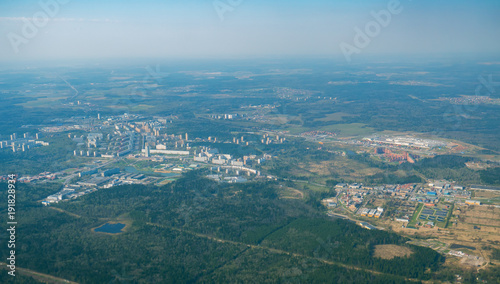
(391, 251)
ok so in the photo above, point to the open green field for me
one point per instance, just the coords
(347, 130)
(43, 102)
(414, 218)
(343, 130)
(337, 116)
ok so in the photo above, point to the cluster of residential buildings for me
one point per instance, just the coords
(451, 192)
(24, 143)
(318, 134)
(40, 177)
(226, 163)
(117, 144)
(137, 138)
(365, 212)
(472, 100)
(352, 195)
(268, 139)
(429, 194)
(404, 198)
(294, 94)
(224, 116)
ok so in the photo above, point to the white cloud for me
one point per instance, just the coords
(18, 19)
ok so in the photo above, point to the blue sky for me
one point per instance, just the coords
(243, 29)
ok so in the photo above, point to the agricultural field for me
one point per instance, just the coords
(479, 218)
(487, 197)
(341, 167)
(290, 193)
(337, 116)
(474, 230)
(349, 130)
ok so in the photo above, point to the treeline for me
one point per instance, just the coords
(443, 161)
(17, 279)
(347, 243)
(166, 242)
(490, 176)
(291, 270)
(495, 254)
(449, 167)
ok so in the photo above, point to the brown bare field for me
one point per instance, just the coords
(482, 221)
(462, 234)
(472, 261)
(486, 218)
(322, 169)
(301, 170)
(378, 202)
(468, 229)
(486, 194)
(455, 147)
(483, 215)
(292, 193)
(391, 251)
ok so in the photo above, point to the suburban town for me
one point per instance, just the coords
(132, 149)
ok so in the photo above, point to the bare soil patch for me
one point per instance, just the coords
(486, 194)
(391, 251)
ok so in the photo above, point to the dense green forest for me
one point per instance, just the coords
(197, 230)
(348, 243)
(490, 176)
(449, 167)
(18, 279)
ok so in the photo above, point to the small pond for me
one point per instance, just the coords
(110, 228)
